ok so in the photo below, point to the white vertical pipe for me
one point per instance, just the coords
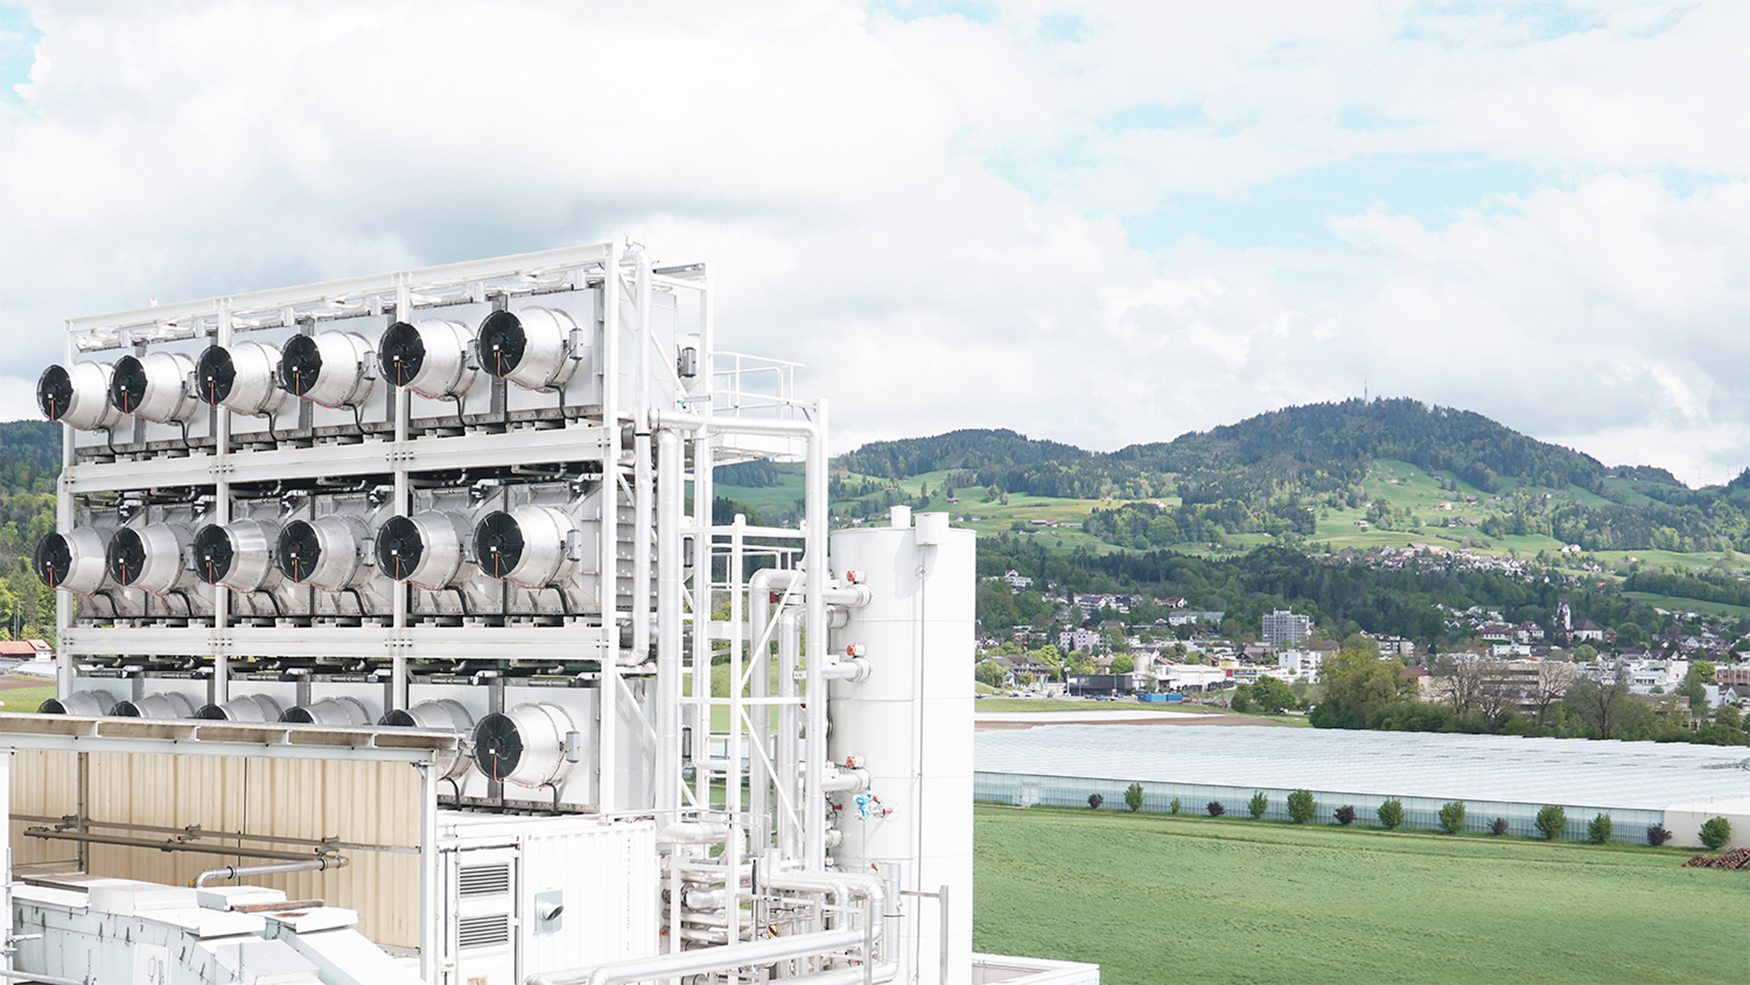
(786, 761)
(814, 547)
(641, 477)
(607, 745)
(668, 624)
(429, 910)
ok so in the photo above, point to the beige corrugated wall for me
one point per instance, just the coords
(353, 801)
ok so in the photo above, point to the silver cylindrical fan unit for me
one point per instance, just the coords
(345, 712)
(535, 348)
(526, 546)
(90, 704)
(74, 561)
(166, 705)
(429, 357)
(425, 549)
(531, 745)
(154, 388)
(78, 396)
(245, 708)
(323, 552)
(445, 715)
(151, 558)
(242, 378)
(237, 555)
(335, 369)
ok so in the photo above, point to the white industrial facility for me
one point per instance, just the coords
(397, 643)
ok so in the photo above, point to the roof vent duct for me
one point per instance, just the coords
(88, 704)
(446, 716)
(343, 712)
(165, 705)
(245, 708)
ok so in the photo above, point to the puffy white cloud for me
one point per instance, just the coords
(930, 210)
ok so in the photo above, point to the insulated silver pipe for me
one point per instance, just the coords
(670, 495)
(704, 960)
(323, 863)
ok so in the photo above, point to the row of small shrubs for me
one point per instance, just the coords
(1551, 820)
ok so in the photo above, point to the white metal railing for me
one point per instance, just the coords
(753, 386)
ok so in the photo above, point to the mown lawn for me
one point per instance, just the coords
(25, 698)
(1160, 899)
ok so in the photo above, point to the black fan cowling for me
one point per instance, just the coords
(300, 364)
(54, 559)
(215, 374)
(126, 557)
(299, 550)
(498, 544)
(54, 392)
(498, 746)
(213, 553)
(399, 547)
(127, 388)
(401, 353)
(502, 341)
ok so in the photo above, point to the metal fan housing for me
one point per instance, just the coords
(78, 396)
(334, 369)
(429, 357)
(534, 348)
(154, 388)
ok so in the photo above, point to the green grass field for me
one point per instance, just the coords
(1161, 899)
(25, 698)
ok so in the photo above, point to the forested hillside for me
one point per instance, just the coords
(30, 458)
(1276, 473)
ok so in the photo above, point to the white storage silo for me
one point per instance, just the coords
(910, 724)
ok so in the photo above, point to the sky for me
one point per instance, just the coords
(1100, 223)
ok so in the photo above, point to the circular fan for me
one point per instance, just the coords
(498, 746)
(54, 559)
(126, 556)
(399, 718)
(213, 553)
(299, 550)
(300, 364)
(399, 547)
(401, 353)
(502, 341)
(298, 715)
(214, 375)
(126, 709)
(127, 388)
(498, 544)
(215, 713)
(54, 392)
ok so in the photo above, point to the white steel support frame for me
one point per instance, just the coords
(649, 451)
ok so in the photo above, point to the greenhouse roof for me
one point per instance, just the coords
(1512, 769)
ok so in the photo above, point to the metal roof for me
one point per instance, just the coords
(1509, 769)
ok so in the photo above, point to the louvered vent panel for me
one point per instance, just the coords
(483, 931)
(484, 880)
